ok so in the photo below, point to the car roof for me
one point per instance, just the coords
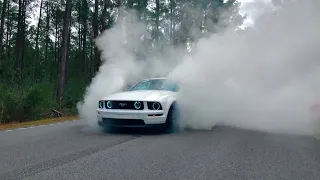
(159, 78)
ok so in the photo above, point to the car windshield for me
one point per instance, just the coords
(155, 84)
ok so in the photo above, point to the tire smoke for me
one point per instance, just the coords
(263, 78)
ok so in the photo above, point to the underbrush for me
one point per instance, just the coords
(33, 102)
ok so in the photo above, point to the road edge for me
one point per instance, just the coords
(10, 126)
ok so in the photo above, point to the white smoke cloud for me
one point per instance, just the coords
(264, 79)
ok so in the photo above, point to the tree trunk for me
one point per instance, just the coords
(130, 4)
(95, 35)
(68, 53)
(104, 15)
(91, 58)
(18, 40)
(47, 31)
(84, 38)
(157, 19)
(79, 28)
(3, 17)
(84, 50)
(171, 20)
(37, 61)
(119, 3)
(23, 38)
(56, 42)
(8, 45)
(47, 40)
(64, 52)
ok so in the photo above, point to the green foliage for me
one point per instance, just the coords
(25, 103)
(30, 92)
(74, 91)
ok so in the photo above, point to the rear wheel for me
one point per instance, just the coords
(172, 122)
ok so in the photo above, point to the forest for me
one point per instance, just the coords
(48, 54)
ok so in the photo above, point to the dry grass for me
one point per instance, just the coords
(37, 123)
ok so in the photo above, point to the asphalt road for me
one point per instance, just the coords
(73, 151)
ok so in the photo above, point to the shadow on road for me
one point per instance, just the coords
(136, 131)
(152, 131)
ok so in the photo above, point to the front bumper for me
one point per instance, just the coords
(131, 118)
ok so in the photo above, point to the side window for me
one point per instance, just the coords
(171, 86)
(177, 88)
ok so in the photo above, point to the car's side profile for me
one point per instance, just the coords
(150, 102)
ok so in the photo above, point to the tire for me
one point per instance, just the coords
(172, 121)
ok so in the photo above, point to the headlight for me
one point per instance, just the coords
(156, 105)
(109, 104)
(137, 105)
(101, 104)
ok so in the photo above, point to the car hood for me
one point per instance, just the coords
(138, 95)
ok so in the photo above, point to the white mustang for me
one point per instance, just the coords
(149, 103)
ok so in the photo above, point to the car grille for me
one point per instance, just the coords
(125, 105)
(122, 122)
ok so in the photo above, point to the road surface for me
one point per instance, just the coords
(73, 151)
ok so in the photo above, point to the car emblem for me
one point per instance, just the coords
(122, 104)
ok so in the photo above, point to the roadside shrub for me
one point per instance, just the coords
(2, 91)
(73, 93)
(27, 103)
(32, 102)
(12, 106)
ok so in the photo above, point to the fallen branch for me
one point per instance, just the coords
(56, 113)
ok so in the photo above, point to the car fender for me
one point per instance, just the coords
(166, 102)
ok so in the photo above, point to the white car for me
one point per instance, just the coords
(149, 103)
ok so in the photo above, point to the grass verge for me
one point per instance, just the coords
(37, 122)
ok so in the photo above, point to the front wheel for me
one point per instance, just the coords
(173, 118)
